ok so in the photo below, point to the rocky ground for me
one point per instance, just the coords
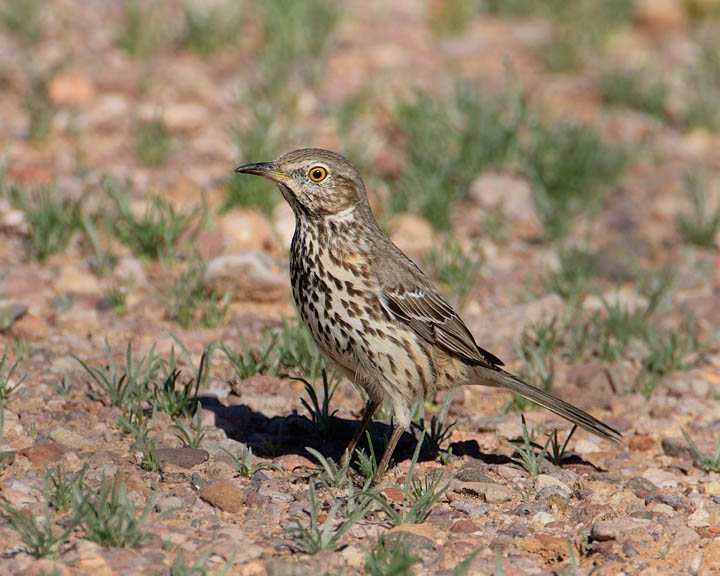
(584, 254)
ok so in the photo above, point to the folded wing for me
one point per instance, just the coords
(432, 318)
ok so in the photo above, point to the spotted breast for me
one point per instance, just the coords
(340, 301)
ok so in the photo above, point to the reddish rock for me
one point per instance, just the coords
(223, 494)
(42, 454)
(291, 462)
(392, 494)
(71, 89)
(464, 527)
(641, 443)
(661, 15)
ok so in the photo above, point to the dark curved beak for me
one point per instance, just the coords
(264, 169)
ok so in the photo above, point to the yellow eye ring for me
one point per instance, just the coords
(317, 174)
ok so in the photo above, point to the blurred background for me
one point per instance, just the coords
(552, 165)
(513, 148)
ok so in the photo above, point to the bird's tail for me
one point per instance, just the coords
(502, 379)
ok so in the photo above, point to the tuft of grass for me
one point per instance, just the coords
(38, 107)
(65, 386)
(567, 47)
(352, 119)
(426, 186)
(319, 410)
(247, 466)
(488, 128)
(454, 268)
(141, 31)
(440, 429)
(419, 496)
(135, 423)
(190, 302)
(572, 279)
(150, 459)
(24, 18)
(628, 88)
(153, 380)
(21, 345)
(51, 219)
(709, 463)
(367, 463)
(151, 142)
(317, 536)
(7, 385)
(608, 334)
(3, 461)
(666, 353)
(536, 348)
(159, 231)
(116, 297)
(191, 438)
(104, 260)
(334, 475)
(656, 286)
(287, 350)
(61, 489)
(450, 142)
(256, 142)
(527, 457)
(41, 537)
(297, 351)
(110, 520)
(384, 559)
(296, 36)
(703, 110)
(449, 18)
(557, 451)
(495, 223)
(251, 361)
(123, 385)
(570, 169)
(171, 397)
(614, 328)
(700, 224)
(207, 28)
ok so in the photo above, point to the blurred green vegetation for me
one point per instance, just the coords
(24, 17)
(208, 28)
(152, 144)
(571, 169)
(448, 143)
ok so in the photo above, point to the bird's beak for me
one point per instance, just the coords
(264, 169)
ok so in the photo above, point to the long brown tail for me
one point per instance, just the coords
(502, 379)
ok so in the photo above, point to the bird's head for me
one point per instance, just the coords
(316, 183)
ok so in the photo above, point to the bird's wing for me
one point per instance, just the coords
(431, 317)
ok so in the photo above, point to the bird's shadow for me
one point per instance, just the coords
(275, 436)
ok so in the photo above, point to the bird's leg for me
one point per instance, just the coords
(385, 460)
(370, 408)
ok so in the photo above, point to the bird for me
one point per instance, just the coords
(371, 310)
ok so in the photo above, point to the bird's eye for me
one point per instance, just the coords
(317, 174)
